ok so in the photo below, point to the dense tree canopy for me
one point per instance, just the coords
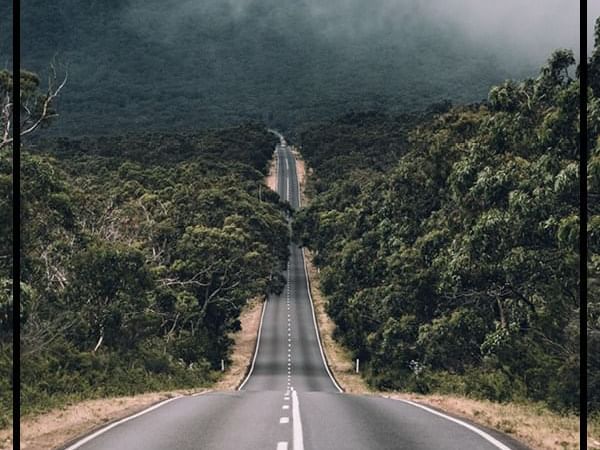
(138, 254)
(455, 268)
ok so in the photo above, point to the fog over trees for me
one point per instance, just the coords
(182, 63)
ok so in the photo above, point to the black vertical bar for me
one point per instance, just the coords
(583, 212)
(16, 382)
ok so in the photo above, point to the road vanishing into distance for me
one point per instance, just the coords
(289, 399)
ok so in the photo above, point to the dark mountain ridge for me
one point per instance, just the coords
(181, 64)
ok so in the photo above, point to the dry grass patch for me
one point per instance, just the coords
(593, 440)
(530, 423)
(54, 428)
(301, 174)
(243, 348)
(271, 180)
(339, 358)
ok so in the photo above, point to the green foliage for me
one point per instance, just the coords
(448, 241)
(139, 252)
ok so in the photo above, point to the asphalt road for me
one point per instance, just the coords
(289, 400)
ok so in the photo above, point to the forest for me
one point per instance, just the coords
(448, 241)
(138, 254)
(192, 65)
(443, 213)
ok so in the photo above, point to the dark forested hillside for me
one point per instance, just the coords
(189, 64)
(138, 254)
(453, 266)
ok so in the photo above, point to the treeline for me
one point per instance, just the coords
(453, 266)
(223, 62)
(138, 254)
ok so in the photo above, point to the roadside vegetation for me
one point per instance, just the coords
(138, 254)
(447, 242)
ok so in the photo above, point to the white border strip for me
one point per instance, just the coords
(262, 316)
(474, 429)
(94, 435)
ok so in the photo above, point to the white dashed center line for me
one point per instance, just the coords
(282, 445)
(284, 420)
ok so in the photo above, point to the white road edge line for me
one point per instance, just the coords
(335, 383)
(262, 316)
(297, 423)
(474, 429)
(94, 435)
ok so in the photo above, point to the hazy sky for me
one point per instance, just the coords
(529, 28)
(533, 26)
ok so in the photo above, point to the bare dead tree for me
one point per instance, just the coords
(36, 107)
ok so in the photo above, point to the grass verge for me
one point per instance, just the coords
(243, 348)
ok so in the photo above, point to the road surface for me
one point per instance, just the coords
(289, 400)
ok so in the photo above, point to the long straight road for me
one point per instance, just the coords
(289, 400)
(289, 354)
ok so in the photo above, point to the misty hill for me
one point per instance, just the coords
(177, 63)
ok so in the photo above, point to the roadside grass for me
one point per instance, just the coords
(62, 424)
(271, 179)
(243, 347)
(594, 432)
(531, 423)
